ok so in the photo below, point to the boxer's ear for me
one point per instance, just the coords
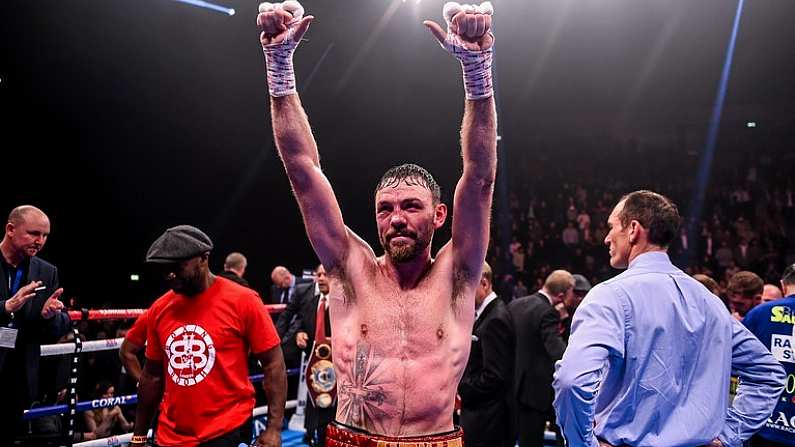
(440, 215)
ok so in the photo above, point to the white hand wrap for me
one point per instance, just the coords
(476, 65)
(279, 56)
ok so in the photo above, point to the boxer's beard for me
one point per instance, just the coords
(405, 252)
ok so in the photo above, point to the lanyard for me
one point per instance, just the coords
(13, 288)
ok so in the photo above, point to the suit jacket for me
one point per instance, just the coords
(232, 276)
(486, 385)
(538, 347)
(33, 329)
(276, 292)
(275, 296)
(301, 316)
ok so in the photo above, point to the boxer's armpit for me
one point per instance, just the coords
(365, 399)
(461, 278)
(340, 281)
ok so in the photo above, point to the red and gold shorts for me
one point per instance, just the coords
(341, 436)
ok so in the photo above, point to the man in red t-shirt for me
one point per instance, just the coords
(199, 336)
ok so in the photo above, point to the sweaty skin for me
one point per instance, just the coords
(399, 354)
(401, 330)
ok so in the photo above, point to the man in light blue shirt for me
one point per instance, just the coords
(652, 350)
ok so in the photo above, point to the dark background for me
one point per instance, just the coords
(121, 118)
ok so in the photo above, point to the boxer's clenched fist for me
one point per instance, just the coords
(469, 39)
(278, 21)
(469, 25)
(282, 25)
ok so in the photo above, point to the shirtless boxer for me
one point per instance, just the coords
(402, 321)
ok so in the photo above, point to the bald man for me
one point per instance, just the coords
(770, 293)
(30, 313)
(283, 285)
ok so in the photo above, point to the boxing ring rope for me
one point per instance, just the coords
(123, 439)
(108, 402)
(77, 347)
(88, 346)
(128, 314)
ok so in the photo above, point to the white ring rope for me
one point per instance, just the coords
(88, 346)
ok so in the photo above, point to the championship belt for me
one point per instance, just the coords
(320, 377)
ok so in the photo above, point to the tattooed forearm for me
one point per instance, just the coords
(363, 401)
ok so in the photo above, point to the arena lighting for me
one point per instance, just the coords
(750, 124)
(368, 44)
(705, 165)
(210, 6)
(135, 277)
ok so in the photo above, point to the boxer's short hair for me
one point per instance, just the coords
(411, 174)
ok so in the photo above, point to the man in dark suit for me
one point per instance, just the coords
(485, 388)
(28, 317)
(284, 289)
(305, 306)
(284, 285)
(538, 346)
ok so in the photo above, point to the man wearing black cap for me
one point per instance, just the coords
(198, 340)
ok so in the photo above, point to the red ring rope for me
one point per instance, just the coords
(121, 314)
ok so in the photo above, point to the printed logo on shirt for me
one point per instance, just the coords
(779, 421)
(191, 354)
(782, 314)
(781, 347)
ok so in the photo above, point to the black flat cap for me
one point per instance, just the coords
(581, 284)
(179, 243)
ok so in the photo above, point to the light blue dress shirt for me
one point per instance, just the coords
(650, 358)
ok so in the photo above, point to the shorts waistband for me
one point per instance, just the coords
(339, 435)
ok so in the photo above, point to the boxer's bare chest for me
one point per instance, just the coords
(396, 351)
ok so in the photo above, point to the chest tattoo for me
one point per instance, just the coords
(362, 398)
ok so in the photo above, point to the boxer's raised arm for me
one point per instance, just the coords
(282, 26)
(469, 39)
(473, 194)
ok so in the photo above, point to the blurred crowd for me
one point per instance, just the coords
(559, 210)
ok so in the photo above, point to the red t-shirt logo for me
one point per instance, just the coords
(191, 354)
